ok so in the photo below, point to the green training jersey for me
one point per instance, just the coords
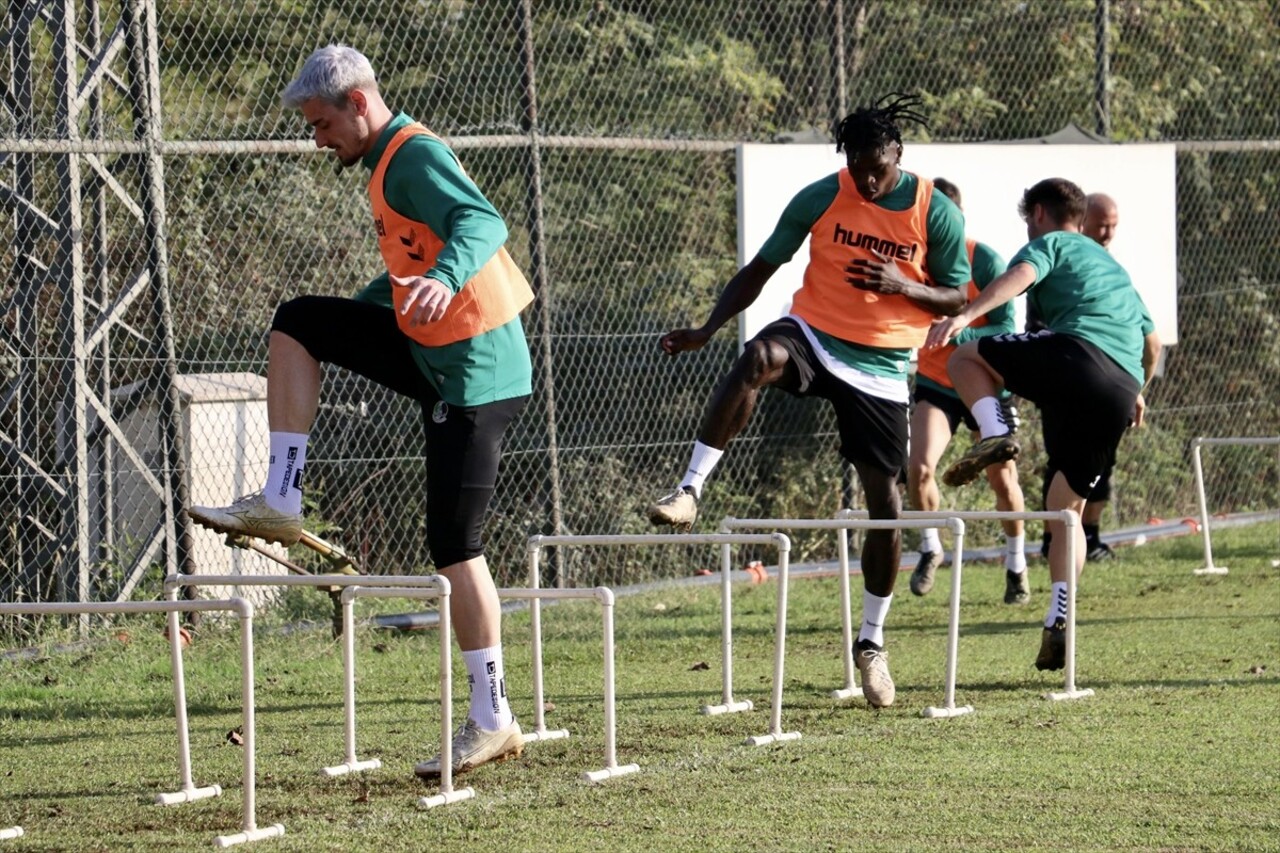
(1080, 290)
(946, 259)
(424, 182)
(987, 266)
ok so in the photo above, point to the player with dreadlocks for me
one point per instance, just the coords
(886, 257)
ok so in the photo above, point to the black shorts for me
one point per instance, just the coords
(957, 412)
(1086, 399)
(463, 443)
(1101, 490)
(873, 431)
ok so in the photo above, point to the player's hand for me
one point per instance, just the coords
(881, 275)
(1139, 412)
(683, 340)
(428, 298)
(944, 329)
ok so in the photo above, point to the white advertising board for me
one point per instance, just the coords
(991, 178)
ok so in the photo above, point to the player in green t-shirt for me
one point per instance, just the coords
(469, 390)
(1085, 370)
(1101, 217)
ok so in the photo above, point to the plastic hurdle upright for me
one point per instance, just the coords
(1197, 467)
(1070, 521)
(778, 540)
(249, 831)
(406, 586)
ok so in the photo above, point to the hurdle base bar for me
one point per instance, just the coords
(546, 734)
(188, 795)
(772, 737)
(1077, 693)
(1211, 570)
(850, 692)
(352, 766)
(729, 707)
(11, 832)
(261, 833)
(935, 713)
(445, 797)
(611, 772)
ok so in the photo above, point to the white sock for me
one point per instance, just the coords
(283, 491)
(929, 540)
(489, 707)
(874, 612)
(1015, 556)
(990, 417)
(1057, 604)
(701, 463)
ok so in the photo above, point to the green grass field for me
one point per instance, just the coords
(1178, 750)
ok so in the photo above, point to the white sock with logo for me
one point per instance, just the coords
(990, 417)
(489, 706)
(702, 462)
(1015, 556)
(929, 540)
(1057, 604)
(874, 612)
(283, 491)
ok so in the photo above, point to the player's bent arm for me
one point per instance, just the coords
(738, 294)
(1005, 287)
(945, 301)
(1151, 347)
(741, 291)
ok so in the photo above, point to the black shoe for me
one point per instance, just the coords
(1016, 588)
(1098, 552)
(1053, 647)
(987, 452)
(922, 577)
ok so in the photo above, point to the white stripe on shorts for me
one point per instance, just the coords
(884, 387)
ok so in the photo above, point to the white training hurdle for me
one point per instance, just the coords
(859, 521)
(778, 540)
(422, 586)
(601, 595)
(352, 764)
(250, 831)
(435, 586)
(1070, 522)
(1197, 467)
(604, 596)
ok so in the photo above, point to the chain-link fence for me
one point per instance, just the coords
(160, 203)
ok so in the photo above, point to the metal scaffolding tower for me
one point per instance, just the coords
(82, 182)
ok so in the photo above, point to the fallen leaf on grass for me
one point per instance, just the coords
(699, 666)
(1256, 670)
(379, 647)
(548, 706)
(235, 737)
